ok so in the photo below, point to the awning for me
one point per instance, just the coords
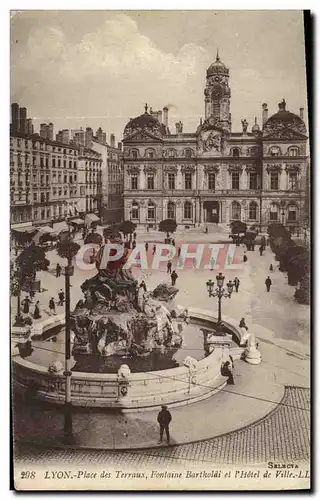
(89, 218)
(46, 229)
(79, 222)
(60, 226)
(27, 229)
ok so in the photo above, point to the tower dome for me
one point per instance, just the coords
(217, 68)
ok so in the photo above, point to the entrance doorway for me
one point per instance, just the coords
(211, 211)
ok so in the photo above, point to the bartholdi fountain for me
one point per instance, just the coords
(133, 349)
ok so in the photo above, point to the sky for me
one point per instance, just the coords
(98, 68)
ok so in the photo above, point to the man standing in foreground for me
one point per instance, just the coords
(164, 419)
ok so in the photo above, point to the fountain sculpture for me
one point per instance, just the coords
(117, 317)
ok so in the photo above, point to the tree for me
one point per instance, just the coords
(127, 227)
(67, 248)
(95, 238)
(23, 273)
(302, 294)
(111, 232)
(168, 226)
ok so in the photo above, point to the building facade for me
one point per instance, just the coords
(214, 174)
(112, 180)
(44, 180)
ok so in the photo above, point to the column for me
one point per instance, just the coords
(243, 179)
(141, 179)
(283, 179)
(179, 179)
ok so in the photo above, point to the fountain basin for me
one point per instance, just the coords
(138, 391)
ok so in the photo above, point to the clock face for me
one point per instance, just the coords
(217, 79)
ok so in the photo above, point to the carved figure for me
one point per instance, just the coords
(244, 126)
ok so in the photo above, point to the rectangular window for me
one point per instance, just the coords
(188, 180)
(292, 215)
(70, 164)
(82, 190)
(253, 181)
(150, 182)
(59, 162)
(235, 180)
(42, 198)
(211, 181)
(34, 196)
(64, 163)
(53, 162)
(274, 180)
(171, 181)
(293, 181)
(134, 182)
(47, 162)
(41, 161)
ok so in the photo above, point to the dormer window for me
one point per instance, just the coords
(150, 154)
(275, 151)
(294, 151)
(134, 154)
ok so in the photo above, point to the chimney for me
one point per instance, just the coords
(112, 141)
(165, 116)
(264, 113)
(160, 116)
(301, 113)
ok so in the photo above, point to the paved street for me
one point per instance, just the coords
(281, 436)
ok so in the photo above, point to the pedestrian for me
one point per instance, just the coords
(206, 229)
(271, 267)
(174, 277)
(179, 252)
(58, 270)
(242, 324)
(32, 294)
(268, 283)
(227, 371)
(164, 419)
(26, 305)
(245, 258)
(61, 297)
(36, 312)
(236, 283)
(154, 249)
(52, 306)
(147, 228)
(135, 235)
(261, 250)
(134, 244)
(173, 242)
(169, 266)
(146, 246)
(143, 285)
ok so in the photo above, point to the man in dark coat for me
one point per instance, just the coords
(169, 266)
(268, 283)
(245, 258)
(26, 305)
(61, 297)
(143, 285)
(154, 249)
(58, 270)
(236, 283)
(52, 306)
(164, 419)
(174, 277)
(146, 246)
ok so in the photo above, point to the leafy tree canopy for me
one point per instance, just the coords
(237, 227)
(127, 227)
(67, 248)
(168, 226)
(95, 238)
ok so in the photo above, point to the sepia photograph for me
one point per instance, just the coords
(160, 240)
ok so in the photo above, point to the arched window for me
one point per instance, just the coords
(235, 211)
(150, 153)
(293, 151)
(253, 210)
(275, 151)
(151, 210)
(274, 212)
(171, 210)
(187, 210)
(235, 152)
(292, 213)
(188, 153)
(135, 210)
(172, 153)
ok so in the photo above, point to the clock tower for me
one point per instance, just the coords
(217, 94)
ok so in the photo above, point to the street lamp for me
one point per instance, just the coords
(217, 290)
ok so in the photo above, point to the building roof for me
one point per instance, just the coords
(284, 124)
(145, 122)
(217, 67)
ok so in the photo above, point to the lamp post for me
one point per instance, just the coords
(68, 435)
(217, 290)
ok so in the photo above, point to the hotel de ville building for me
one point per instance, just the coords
(257, 175)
